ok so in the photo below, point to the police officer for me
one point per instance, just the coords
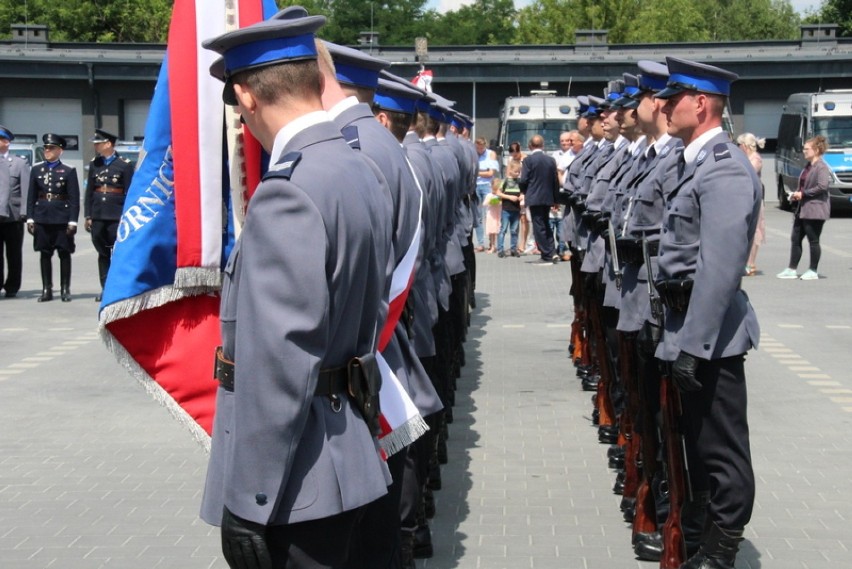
(293, 462)
(709, 222)
(14, 183)
(109, 179)
(53, 206)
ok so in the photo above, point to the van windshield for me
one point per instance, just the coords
(837, 130)
(522, 131)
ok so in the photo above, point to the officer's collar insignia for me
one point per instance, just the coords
(350, 135)
(721, 151)
(285, 165)
(665, 150)
(701, 156)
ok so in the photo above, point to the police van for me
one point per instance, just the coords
(540, 113)
(25, 146)
(827, 113)
(130, 149)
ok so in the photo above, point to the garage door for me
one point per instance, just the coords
(40, 116)
(135, 115)
(761, 117)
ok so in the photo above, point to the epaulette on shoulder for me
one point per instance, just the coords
(285, 166)
(721, 151)
(350, 135)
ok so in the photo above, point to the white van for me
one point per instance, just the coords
(541, 113)
(806, 115)
(25, 146)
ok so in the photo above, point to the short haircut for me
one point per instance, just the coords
(398, 122)
(274, 83)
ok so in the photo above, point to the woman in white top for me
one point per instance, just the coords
(749, 144)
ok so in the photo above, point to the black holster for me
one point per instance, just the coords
(675, 293)
(364, 381)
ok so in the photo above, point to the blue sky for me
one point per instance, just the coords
(445, 5)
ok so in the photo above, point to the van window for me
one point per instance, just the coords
(522, 131)
(837, 130)
(788, 130)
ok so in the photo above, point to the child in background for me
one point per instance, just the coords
(492, 214)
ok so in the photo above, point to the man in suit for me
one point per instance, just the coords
(106, 189)
(708, 225)
(538, 182)
(53, 206)
(293, 460)
(14, 183)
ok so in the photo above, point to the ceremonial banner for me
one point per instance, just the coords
(160, 307)
(424, 80)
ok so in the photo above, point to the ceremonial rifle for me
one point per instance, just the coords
(677, 476)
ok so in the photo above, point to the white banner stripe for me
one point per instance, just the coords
(210, 22)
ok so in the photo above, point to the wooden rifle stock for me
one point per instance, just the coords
(627, 421)
(579, 329)
(603, 402)
(645, 518)
(674, 547)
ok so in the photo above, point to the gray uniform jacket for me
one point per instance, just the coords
(595, 252)
(279, 453)
(438, 215)
(816, 202)
(380, 146)
(425, 294)
(14, 184)
(449, 167)
(708, 225)
(635, 307)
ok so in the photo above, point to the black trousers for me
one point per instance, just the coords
(376, 537)
(717, 440)
(103, 238)
(317, 544)
(11, 246)
(810, 228)
(540, 215)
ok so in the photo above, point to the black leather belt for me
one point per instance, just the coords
(331, 381)
(53, 197)
(109, 190)
(630, 250)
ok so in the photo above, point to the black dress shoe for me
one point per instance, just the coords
(46, 295)
(10, 294)
(648, 546)
(97, 298)
(65, 295)
(423, 542)
(501, 254)
(615, 450)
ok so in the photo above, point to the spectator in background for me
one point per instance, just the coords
(538, 183)
(489, 168)
(14, 184)
(513, 172)
(570, 145)
(812, 209)
(750, 144)
(492, 214)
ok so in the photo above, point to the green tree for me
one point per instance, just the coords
(668, 21)
(547, 22)
(752, 20)
(485, 22)
(834, 12)
(93, 20)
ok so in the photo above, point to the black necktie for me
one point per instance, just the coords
(681, 165)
